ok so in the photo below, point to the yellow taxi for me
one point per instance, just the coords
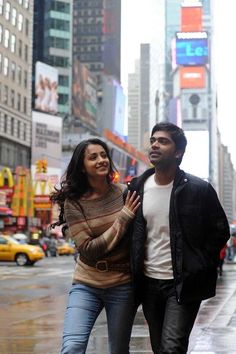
(23, 254)
(65, 248)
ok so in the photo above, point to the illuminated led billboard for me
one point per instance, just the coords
(192, 48)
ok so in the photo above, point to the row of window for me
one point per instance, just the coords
(90, 48)
(13, 99)
(86, 57)
(12, 154)
(15, 18)
(88, 13)
(58, 6)
(14, 44)
(89, 4)
(86, 40)
(14, 127)
(90, 29)
(62, 43)
(14, 72)
(58, 24)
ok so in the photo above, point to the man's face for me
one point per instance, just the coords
(162, 152)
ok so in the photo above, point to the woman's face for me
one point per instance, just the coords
(96, 162)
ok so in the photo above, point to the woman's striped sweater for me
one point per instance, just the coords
(97, 227)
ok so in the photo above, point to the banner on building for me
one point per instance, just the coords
(46, 84)
(192, 77)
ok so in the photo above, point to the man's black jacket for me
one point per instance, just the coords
(198, 231)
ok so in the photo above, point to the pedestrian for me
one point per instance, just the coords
(222, 259)
(178, 232)
(93, 209)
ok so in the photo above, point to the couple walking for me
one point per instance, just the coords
(155, 244)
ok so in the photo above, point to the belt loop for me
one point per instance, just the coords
(102, 266)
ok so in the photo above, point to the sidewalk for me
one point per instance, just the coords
(214, 331)
(215, 327)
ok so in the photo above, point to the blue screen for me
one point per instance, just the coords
(192, 51)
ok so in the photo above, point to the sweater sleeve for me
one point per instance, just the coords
(90, 245)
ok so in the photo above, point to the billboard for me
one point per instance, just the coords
(46, 139)
(46, 85)
(191, 18)
(192, 77)
(192, 48)
(84, 94)
(119, 114)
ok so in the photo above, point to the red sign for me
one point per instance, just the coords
(191, 19)
(192, 77)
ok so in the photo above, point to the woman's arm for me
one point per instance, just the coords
(94, 247)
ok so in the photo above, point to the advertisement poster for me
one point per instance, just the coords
(46, 84)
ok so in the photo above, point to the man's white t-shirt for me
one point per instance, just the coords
(156, 203)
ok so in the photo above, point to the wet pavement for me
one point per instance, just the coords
(33, 301)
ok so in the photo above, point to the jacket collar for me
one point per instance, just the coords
(137, 182)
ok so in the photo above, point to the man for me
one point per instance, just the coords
(178, 233)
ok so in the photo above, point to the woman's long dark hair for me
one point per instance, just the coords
(74, 182)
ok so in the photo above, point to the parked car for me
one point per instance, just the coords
(20, 237)
(65, 248)
(13, 251)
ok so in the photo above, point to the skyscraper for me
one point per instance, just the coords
(96, 35)
(15, 87)
(52, 44)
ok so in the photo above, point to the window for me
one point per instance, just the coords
(25, 105)
(5, 94)
(26, 4)
(13, 71)
(20, 48)
(13, 43)
(1, 30)
(20, 22)
(13, 17)
(26, 52)
(20, 2)
(6, 38)
(5, 66)
(12, 98)
(1, 7)
(7, 11)
(19, 102)
(12, 126)
(5, 124)
(18, 128)
(25, 132)
(27, 27)
(25, 79)
(19, 74)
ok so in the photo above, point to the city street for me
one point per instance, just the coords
(33, 301)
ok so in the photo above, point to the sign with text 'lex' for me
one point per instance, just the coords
(192, 48)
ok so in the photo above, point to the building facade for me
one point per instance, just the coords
(52, 44)
(16, 19)
(96, 35)
(134, 106)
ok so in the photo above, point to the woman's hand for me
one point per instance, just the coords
(132, 201)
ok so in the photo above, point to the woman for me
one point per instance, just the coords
(92, 208)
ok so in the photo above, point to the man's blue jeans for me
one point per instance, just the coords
(85, 304)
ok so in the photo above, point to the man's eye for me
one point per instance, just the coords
(152, 141)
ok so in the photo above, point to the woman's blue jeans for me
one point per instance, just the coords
(85, 304)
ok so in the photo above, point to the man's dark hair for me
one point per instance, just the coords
(176, 133)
